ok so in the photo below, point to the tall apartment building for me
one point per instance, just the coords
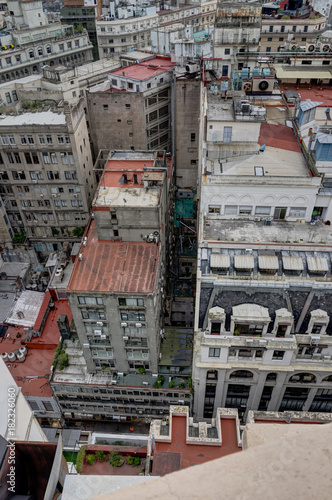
(293, 28)
(83, 13)
(132, 28)
(29, 42)
(46, 170)
(135, 103)
(236, 35)
(116, 297)
(263, 300)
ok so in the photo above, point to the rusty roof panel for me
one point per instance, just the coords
(115, 266)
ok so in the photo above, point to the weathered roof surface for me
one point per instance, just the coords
(220, 260)
(250, 311)
(145, 69)
(292, 263)
(278, 136)
(268, 262)
(308, 104)
(115, 266)
(317, 264)
(244, 262)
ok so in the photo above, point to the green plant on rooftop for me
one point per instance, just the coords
(182, 385)
(90, 459)
(114, 459)
(80, 458)
(57, 353)
(63, 360)
(159, 382)
(100, 455)
(104, 367)
(171, 384)
(55, 231)
(141, 370)
(134, 461)
(285, 17)
(78, 231)
(19, 237)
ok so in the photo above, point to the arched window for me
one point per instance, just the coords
(327, 379)
(303, 378)
(271, 377)
(241, 374)
(40, 51)
(31, 54)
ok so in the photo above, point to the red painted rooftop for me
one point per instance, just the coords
(32, 374)
(191, 454)
(145, 69)
(278, 136)
(314, 92)
(115, 266)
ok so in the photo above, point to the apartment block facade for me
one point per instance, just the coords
(135, 102)
(47, 183)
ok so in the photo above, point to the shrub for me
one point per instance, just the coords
(171, 384)
(141, 370)
(114, 459)
(90, 459)
(78, 231)
(79, 460)
(134, 461)
(100, 455)
(159, 382)
(63, 360)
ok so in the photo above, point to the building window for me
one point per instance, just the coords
(282, 30)
(270, 29)
(227, 136)
(193, 137)
(245, 210)
(48, 406)
(33, 405)
(214, 209)
(297, 212)
(214, 352)
(278, 355)
(262, 210)
(227, 52)
(231, 209)
(90, 300)
(281, 39)
(269, 39)
(268, 49)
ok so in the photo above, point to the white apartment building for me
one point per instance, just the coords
(135, 28)
(263, 300)
(29, 42)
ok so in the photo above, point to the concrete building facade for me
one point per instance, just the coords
(31, 42)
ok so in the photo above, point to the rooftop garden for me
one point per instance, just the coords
(111, 460)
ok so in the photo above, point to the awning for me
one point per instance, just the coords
(219, 260)
(317, 265)
(292, 263)
(312, 73)
(244, 262)
(268, 262)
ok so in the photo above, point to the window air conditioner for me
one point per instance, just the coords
(124, 324)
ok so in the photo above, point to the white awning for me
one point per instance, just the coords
(268, 262)
(221, 261)
(244, 262)
(292, 263)
(317, 265)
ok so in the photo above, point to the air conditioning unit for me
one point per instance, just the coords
(192, 67)
(262, 85)
(120, 374)
(247, 86)
(125, 337)
(103, 337)
(327, 358)
(145, 383)
(314, 339)
(325, 48)
(138, 325)
(34, 181)
(124, 324)
(97, 333)
(99, 323)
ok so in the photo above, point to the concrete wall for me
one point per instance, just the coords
(187, 123)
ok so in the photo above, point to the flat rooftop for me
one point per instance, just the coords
(177, 347)
(118, 187)
(39, 118)
(275, 162)
(115, 266)
(26, 309)
(33, 373)
(240, 231)
(279, 137)
(185, 455)
(145, 69)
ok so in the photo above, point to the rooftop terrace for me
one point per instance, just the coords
(145, 69)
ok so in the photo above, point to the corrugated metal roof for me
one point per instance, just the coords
(268, 262)
(324, 138)
(220, 260)
(317, 264)
(308, 103)
(292, 263)
(243, 261)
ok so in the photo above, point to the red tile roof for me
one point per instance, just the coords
(115, 266)
(145, 69)
(278, 136)
(32, 374)
(192, 454)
